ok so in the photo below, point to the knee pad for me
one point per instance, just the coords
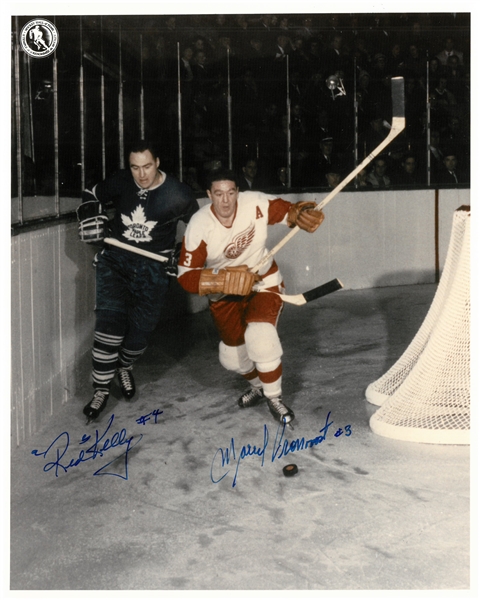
(263, 344)
(235, 358)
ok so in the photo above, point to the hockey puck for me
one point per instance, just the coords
(290, 470)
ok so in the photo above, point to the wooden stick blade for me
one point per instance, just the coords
(318, 292)
(323, 290)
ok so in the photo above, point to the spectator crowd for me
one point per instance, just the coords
(256, 63)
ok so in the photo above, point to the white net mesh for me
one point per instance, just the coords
(425, 395)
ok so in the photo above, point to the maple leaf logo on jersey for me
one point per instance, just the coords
(240, 242)
(138, 228)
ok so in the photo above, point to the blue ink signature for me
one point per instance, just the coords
(101, 444)
(144, 418)
(224, 457)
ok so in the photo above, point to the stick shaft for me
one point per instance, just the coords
(146, 253)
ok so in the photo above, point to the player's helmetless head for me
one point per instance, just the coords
(144, 168)
(224, 194)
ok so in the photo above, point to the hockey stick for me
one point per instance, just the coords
(398, 125)
(318, 292)
(114, 242)
(297, 299)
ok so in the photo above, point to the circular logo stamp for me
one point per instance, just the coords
(39, 38)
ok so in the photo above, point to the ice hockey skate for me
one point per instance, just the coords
(96, 405)
(127, 383)
(281, 412)
(253, 397)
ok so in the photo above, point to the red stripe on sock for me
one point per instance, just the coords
(251, 375)
(271, 376)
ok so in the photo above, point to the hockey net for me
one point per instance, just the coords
(425, 395)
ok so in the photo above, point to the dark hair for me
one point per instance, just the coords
(142, 146)
(221, 175)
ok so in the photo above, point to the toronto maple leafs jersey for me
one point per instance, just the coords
(209, 244)
(145, 218)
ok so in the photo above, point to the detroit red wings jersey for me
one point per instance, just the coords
(209, 244)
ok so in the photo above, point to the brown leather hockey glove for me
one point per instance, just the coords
(231, 280)
(301, 214)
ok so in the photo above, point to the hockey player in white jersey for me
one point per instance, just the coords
(222, 241)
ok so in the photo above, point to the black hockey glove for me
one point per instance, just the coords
(171, 267)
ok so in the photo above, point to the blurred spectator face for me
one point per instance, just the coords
(442, 83)
(282, 175)
(298, 43)
(450, 162)
(256, 45)
(449, 45)
(409, 164)
(333, 179)
(297, 110)
(452, 61)
(396, 50)
(337, 42)
(435, 139)
(225, 41)
(380, 167)
(242, 21)
(362, 177)
(360, 44)
(284, 23)
(416, 28)
(200, 58)
(326, 146)
(199, 44)
(413, 51)
(380, 61)
(364, 79)
(250, 169)
(272, 110)
(187, 54)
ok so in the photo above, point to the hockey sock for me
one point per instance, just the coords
(253, 378)
(134, 345)
(108, 337)
(126, 358)
(104, 359)
(271, 381)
